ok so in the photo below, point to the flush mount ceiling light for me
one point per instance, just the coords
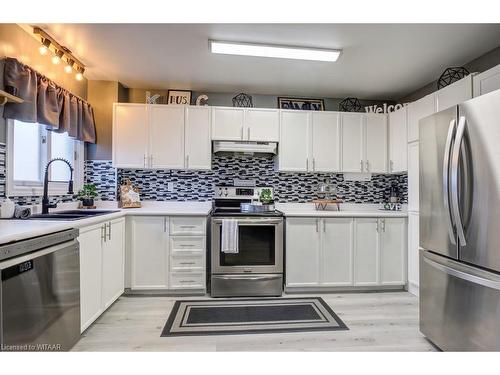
(268, 50)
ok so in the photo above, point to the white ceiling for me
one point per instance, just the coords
(379, 61)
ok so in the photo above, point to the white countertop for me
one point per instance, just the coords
(15, 230)
(346, 210)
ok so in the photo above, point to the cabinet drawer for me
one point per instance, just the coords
(187, 244)
(187, 280)
(187, 261)
(187, 226)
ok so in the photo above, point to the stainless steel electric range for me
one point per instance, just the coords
(257, 267)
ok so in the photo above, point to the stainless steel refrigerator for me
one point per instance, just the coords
(460, 225)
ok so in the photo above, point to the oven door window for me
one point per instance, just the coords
(257, 247)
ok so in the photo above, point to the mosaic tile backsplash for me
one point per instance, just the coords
(198, 185)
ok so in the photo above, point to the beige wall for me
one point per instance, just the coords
(15, 42)
(101, 95)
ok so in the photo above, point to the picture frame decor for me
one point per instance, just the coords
(179, 97)
(243, 100)
(304, 104)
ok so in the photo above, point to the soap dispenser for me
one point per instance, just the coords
(7, 209)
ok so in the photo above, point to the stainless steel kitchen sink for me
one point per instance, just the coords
(70, 214)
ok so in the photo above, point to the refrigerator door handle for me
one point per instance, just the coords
(455, 160)
(475, 276)
(446, 179)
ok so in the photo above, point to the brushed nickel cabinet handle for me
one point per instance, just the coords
(248, 133)
(362, 165)
(145, 158)
(109, 233)
(314, 164)
(368, 166)
(187, 161)
(103, 233)
(188, 263)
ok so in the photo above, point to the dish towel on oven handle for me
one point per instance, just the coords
(229, 241)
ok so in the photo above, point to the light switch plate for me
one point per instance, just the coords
(170, 186)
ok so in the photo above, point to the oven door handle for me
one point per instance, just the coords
(245, 277)
(253, 221)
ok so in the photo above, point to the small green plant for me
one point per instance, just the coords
(88, 191)
(266, 196)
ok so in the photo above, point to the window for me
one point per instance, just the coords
(29, 148)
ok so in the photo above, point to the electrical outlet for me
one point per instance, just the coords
(170, 186)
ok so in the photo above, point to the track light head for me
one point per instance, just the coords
(56, 59)
(69, 65)
(44, 48)
(79, 75)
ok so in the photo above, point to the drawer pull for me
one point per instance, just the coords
(187, 281)
(187, 226)
(184, 245)
(188, 263)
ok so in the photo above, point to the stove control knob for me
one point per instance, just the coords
(225, 192)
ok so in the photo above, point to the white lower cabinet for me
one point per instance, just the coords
(345, 252)
(102, 251)
(366, 252)
(302, 252)
(168, 252)
(149, 256)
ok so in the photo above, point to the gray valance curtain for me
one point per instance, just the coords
(47, 103)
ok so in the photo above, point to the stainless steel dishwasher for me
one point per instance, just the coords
(40, 293)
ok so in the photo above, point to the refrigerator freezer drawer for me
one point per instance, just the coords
(459, 305)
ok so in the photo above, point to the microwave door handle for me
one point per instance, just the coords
(455, 160)
(446, 180)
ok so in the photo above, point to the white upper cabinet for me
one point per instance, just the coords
(325, 141)
(376, 143)
(261, 125)
(398, 141)
(417, 110)
(227, 123)
(487, 81)
(352, 142)
(166, 132)
(161, 136)
(302, 252)
(293, 152)
(454, 94)
(130, 135)
(198, 147)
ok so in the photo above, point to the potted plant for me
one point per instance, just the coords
(87, 195)
(266, 196)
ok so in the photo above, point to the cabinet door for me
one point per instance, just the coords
(376, 143)
(149, 252)
(337, 252)
(113, 266)
(166, 128)
(198, 144)
(302, 252)
(398, 141)
(487, 81)
(413, 248)
(413, 176)
(366, 252)
(418, 110)
(262, 125)
(227, 123)
(454, 94)
(294, 141)
(130, 135)
(325, 141)
(90, 275)
(352, 143)
(392, 251)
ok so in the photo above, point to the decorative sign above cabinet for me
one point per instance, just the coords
(179, 97)
(301, 103)
(384, 108)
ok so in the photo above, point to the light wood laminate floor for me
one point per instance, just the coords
(386, 321)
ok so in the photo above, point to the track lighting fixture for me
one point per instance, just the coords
(69, 65)
(44, 48)
(56, 59)
(79, 75)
